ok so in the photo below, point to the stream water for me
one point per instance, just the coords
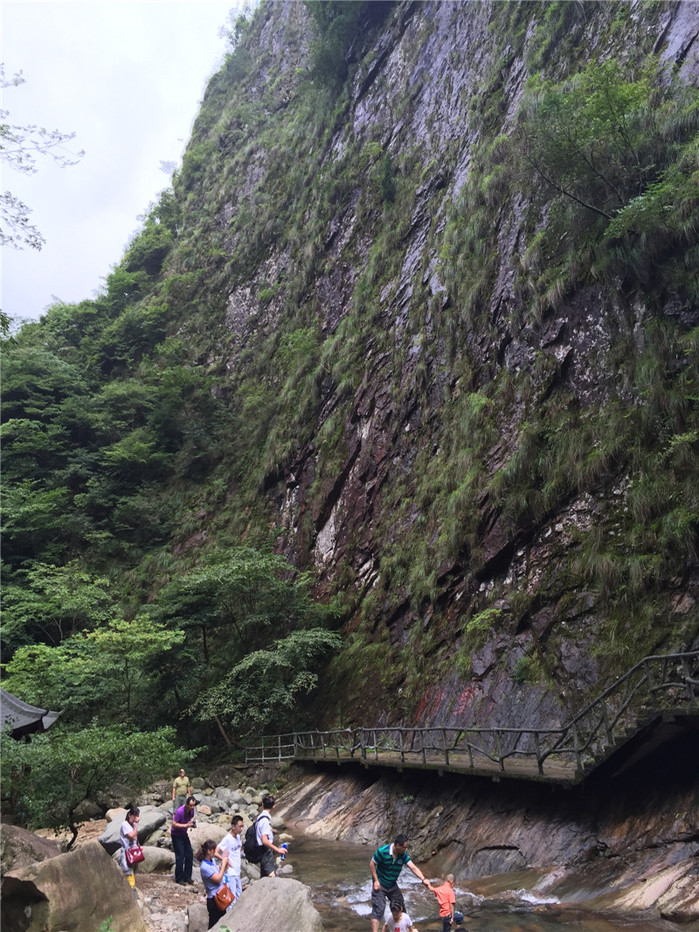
(338, 875)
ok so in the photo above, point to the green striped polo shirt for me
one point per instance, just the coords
(387, 867)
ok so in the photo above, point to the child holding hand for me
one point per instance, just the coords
(447, 902)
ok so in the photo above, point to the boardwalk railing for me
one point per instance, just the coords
(656, 685)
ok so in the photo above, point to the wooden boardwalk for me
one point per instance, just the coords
(555, 771)
(658, 688)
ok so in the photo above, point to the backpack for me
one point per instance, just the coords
(251, 850)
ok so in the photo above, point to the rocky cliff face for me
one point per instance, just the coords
(459, 440)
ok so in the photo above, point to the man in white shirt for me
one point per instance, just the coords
(231, 845)
(265, 837)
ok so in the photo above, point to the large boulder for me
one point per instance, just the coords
(273, 903)
(205, 831)
(151, 820)
(72, 892)
(157, 860)
(19, 847)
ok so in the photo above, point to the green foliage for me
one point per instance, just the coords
(58, 770)
(335, 23)
(388, 180)
(483, 621)
(524, 670)
(149, 248)
(101, 674)
(46, 604)
(611, 153)
(267, 689)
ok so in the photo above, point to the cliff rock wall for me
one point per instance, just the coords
(453, 388)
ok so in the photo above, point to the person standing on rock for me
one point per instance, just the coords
(385, 865)
(265, 836)
(128, 837)
(181, 789)
(182, 821)
(231, 845)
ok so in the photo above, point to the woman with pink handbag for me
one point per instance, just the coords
(131, 852)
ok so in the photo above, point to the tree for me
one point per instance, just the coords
(19, 148)
(101, 675)
(244, 597)
(247, 611)
(55, 772)
(266, 687)
(47, 604)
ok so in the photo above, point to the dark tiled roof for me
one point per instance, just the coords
(23, 718)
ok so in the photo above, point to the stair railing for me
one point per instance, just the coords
(655, 685)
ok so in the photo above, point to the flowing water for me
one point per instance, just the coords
(338, 875)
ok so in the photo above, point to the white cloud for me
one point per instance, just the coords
(127, 76)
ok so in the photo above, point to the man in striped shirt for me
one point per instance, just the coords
(385, 866)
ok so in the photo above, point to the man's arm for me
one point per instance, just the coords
(418, 873)
(375, 876)
(182, 824)
(268, 843)
(219, 852)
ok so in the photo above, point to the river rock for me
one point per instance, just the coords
(197, 917)
(672, 892)
(206, 830)
(157, 860)
(152, 819)
(273, 903)
(19, 847)
(72, 892)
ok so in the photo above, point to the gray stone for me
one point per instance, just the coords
(273, 903)
(74, 891)
(157, 860)
(152, 819)
(197, 917)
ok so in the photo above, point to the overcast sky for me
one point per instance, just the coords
(127, 76)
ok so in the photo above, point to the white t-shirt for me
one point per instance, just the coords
(403, 925)
(264, 827)
(125, 829)
(233, 845)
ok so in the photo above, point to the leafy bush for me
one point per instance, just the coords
(610, 155)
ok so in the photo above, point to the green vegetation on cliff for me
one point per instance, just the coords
(409, 364)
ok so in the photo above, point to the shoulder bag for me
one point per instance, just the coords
(223, 897)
